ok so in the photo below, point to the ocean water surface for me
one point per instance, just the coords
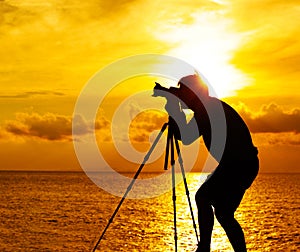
(64, 211)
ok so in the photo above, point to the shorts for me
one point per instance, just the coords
(225, 188)
(225, 198)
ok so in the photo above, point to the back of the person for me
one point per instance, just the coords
(238, 139)
(240, 155)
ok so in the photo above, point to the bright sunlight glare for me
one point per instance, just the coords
(208, 44)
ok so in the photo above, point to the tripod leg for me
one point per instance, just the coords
(173, 188)
(167, 150)
(131, 184)
(186, 186)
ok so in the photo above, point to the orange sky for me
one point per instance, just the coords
(248, 51)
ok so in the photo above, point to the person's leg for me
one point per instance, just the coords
(233, 230)
(225, 207)
(205, 218)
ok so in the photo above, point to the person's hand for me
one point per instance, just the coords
(172, 106)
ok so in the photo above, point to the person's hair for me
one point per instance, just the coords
(192, 86)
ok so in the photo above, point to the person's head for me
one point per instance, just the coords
(192, 88)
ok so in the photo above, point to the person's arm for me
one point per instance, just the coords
(183, 131)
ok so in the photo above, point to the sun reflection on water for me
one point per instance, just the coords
(67, 212)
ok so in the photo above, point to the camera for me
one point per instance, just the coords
(159, 90)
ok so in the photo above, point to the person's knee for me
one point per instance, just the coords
(201, 197)
(223, 217)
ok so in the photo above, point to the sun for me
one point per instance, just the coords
(208, 45)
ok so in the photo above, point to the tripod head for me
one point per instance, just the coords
(172, 125)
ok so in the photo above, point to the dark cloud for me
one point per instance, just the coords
(271, 124)
(53, 127)
(50, 126)
(29, 94)
(81, 126)
(272, 118)
(283, 139)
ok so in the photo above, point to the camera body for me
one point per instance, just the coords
(171, 94)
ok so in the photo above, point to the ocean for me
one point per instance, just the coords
(65, 211)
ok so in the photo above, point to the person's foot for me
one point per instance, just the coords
(201, 249)
(197, 249)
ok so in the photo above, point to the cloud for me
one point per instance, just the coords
(270, 49)
(50, 127)
(256, 14)
(54, 127)
(144, 124)
(270, 125)
(29, 94)
(283, 139)
(271, 119)
(61, 43)
(47, 32)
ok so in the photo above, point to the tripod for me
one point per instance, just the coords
(169, 148)
(170, 141)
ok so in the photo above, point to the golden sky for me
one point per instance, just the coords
(248, 51)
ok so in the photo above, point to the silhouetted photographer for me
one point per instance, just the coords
(238, 166)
